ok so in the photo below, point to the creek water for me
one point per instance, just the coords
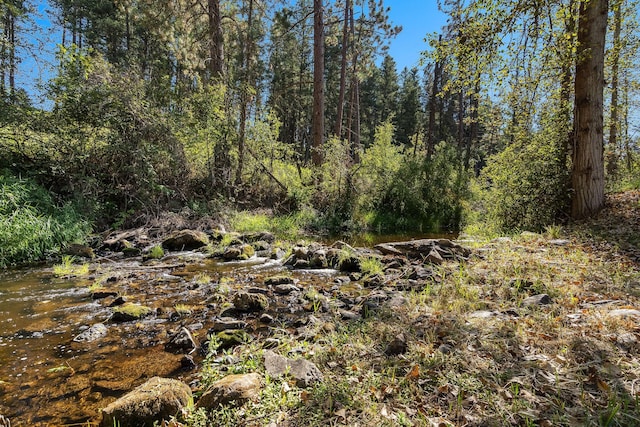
(48, 379)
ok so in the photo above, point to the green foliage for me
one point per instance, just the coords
(284, 226)
(425, 194)
(524, 186)
(31, 225)
(67, 268)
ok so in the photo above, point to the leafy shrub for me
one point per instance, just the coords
(31, 225)
(424, 195)
(525, 186)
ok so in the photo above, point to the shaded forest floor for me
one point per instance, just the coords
(532, 330)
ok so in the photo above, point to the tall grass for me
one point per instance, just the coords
(31, 225)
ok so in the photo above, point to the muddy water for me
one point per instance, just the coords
(48, 379)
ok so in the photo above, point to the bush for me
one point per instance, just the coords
(525, 186)
(31, 225)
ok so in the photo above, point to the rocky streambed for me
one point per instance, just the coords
(73, 347)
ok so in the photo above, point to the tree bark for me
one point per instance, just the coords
(433, 99)
(612, 165)
(343, 69)
(244, 92)
(587, 173)
(216, 46)
(318, 83)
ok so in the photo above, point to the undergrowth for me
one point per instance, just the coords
(31, 225)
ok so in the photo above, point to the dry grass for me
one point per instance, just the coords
(477, 354)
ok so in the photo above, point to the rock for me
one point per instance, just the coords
(559, 242)
(120, 300)
(301, 264)
(249, 302)
(277, 253)
(397, 346)
(232, 253)
(627, 341)
(304, 372)
(541, 299)
(226, 323)
(181, 342)
(186, 240)
(301, 252)
(101, 293)
(238, 253)
(131, 251)
(285, 289)
(95, 332)
(128, 312)
(259, 236)
(350, 264)
(349, 315)
(624, 312)
(445, 348)
(279, 280)
(266, 318)
(422, 248)
(434, 257)
(232, 338)
(187, 363)
(156, 400)
(318, 259)
(79, 250)
(232, 388)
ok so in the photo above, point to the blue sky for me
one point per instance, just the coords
(418, 18)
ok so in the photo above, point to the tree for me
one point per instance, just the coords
(318, 82)
(215, 63)
(587, 174)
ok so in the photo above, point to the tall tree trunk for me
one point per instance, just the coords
(318, 83)
(473, 131)
(244, 91)
(612, 165)
(433, 99)
(348, 11)
(587, 174)
(215, 64)
(12, 55)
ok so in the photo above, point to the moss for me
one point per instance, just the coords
(129, 312)
(231, 338)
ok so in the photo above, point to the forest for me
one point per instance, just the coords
(245, 213)
(297, 108)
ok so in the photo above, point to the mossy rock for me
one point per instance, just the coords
(129, 312)
(350, 264)
(248, 302)
(186, 240)
(101, 292)
(231, 338)
(131, 251)
(279, 280)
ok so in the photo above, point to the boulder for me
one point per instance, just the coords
(535, 300)
(422, 249)
(156, 400)
(185, 240)
(128, 312)
(182, 342)
(78, 250)
(231, 338)
(95, 332)
(248, 302)
(304, 372)
(235, 389)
